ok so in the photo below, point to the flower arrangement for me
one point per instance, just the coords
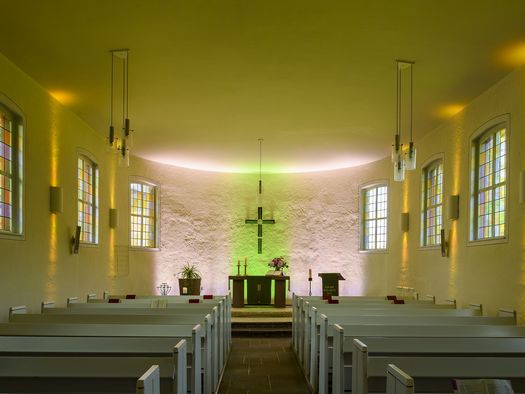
(278, 263)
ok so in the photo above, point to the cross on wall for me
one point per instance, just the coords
(259, 222)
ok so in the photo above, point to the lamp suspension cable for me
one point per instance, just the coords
(111, 138)
(260, 165)
(410, 161)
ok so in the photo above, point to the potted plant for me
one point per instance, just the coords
(189, 280)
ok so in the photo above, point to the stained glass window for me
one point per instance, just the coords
(143, 200)
(432, 204)
(87, 200)
(375, 211)
(10, 173)
(489, 197)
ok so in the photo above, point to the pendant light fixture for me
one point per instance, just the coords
(123, 144)
(410, 159)
(403, 160)
(397, 147)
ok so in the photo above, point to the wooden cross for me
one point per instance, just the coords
(259, 222)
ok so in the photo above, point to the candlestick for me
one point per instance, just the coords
(238, 267)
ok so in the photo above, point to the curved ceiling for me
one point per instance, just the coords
(315, 79)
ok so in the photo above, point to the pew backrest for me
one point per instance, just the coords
(149, 383)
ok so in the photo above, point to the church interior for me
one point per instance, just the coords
(244, 153)
(308, 99)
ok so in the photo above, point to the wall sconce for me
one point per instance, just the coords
(113, 218)
(453, 207)
(522, 187)
(405, 221)
(55, 199)
(75, 241)
(445, 244)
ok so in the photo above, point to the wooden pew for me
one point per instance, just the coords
(66, 364)
(434, 358)
(323, 329)
(312, 328)
(115, 332)
(397, 381)
(221, 321)
(351, 331)
(149, 383)
(210, 366)
(224, 314)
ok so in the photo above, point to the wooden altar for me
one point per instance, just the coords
(259, 290)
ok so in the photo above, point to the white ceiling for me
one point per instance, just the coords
(315, 79)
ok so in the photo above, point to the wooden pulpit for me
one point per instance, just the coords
(331, 283)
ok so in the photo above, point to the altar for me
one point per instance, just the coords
(259, 290)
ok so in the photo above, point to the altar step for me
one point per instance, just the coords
(262, 329)
(264, 321)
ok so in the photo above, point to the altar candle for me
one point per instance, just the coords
(309, 273)
(245, 261)
(238, 262)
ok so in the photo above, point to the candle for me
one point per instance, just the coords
(238, 262)
(245, 261)
(309, 273)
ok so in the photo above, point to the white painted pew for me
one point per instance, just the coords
(397, 381)
(211, 368)
(192, 335)
(149, 383)
(197, 309)
(435, 358)
(102, 364)
(224, 315)
(312, 327)
(351, 331)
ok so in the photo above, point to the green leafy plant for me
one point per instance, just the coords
(189, 271)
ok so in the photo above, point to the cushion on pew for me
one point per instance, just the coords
(193, 301)
(330, 301)
(130, 296)
(113, 301)
(208, 296)
(391, 297)
(399, 301)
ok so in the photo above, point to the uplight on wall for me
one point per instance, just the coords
(522, 187)
(113, 218)
(405, 222)
(55, 199)
(453, 207)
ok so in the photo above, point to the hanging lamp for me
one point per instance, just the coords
(410, 159)
(397, 147)
(124, 143)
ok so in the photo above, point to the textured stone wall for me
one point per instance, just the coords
(202, 222)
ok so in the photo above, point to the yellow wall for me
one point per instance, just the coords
(202, 216)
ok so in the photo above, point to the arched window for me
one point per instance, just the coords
(87, 200)
(374, 217)
(11, 172)
(488, 200)
(143, 214)
(432, 203)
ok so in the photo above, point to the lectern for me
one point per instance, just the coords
(331, 283)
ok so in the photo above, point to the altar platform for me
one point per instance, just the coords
(262, 321)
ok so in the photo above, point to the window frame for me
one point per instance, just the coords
(362, 222)
(431, 163)
(96, 203)
(489, 128)
(18, 168)
(156, 186)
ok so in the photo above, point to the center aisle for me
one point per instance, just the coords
(262, 365)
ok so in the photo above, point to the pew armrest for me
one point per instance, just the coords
(398, 382)
(149, 383)
(180, 354)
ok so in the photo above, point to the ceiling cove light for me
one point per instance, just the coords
(123, 144)
(403, 161)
